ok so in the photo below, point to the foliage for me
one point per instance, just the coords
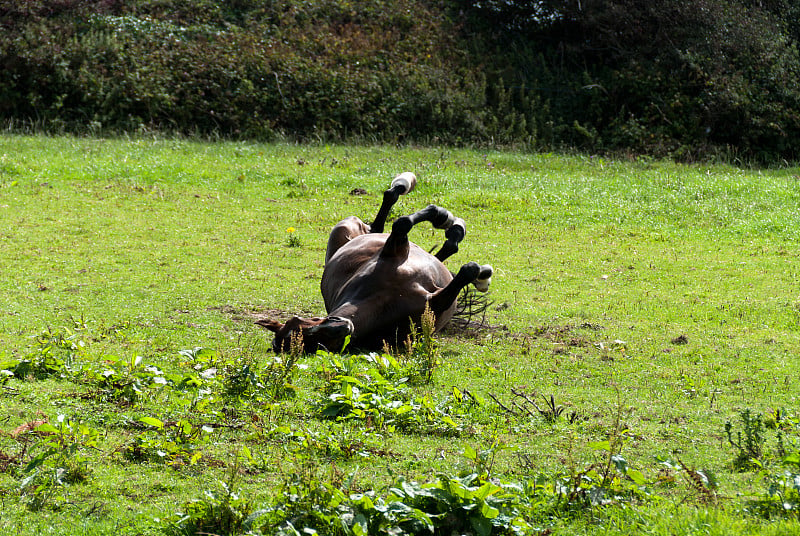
(124, 380)
(174, 443)
(684, 79)
(749, 441)
(57, 351)
(60, 460)
(309, 69)
(422, 353)
(336, 441)
(306, 505)
(243, 377)
(782, 495)
(464, 503)
(779, 468)
(221, 511)
(373, 388)
(702, 483)
(292, 240)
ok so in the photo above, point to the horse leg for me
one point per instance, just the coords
(351, 227)
(397, 242)
(453, 235)
(342, 233)
(440, 218)
(472, 272)
(401, 185)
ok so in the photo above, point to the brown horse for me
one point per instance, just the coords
(376, 284)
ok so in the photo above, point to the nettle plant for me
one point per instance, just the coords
(305, 504)
(60, 352)
(175, 443)
(333, 441)
(472, 501)
(373, 388)
(124, 380)
(60, 460)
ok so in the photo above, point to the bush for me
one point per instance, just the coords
(675, 78)
(382, 70)
(681, 79)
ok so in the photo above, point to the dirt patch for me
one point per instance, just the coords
(471, 329)
(244, 313)
(564, 335)
(680, 339)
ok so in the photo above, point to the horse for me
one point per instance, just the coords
(376, 286)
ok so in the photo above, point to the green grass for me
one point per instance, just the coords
(149, 247)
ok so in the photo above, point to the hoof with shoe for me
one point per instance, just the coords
(484, 278)
(407, 179)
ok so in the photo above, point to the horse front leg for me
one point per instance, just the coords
(440, 218)
(472, 272)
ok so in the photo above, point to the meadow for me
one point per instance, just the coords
(636, 372)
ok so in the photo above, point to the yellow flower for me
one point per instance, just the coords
(290, 230)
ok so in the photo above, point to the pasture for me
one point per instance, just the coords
(639, 307)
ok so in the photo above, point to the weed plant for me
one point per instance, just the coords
(422, 352)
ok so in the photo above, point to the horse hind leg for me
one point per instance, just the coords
(453, 237)
(342, 233)
(440, 218)
(401, 185)
(397, 242)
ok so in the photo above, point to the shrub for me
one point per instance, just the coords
(673, 78)
(683, 79)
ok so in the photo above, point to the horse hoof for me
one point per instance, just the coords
(484, 278)
(407, 179)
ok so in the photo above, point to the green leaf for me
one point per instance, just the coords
(47, 428)
(637, 477)
(481, 525)
(793, 458)
(470, 453)
(364, 501)
(449, 421)
(489, 512)
(408, 489)
(487, 489)
(460, 490)
(600, 445)
(620, 463)
(185, 426)
(151, 421)
(360, 527)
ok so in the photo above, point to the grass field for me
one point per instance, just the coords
(654, 303)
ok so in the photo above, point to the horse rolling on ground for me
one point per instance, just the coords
(376, 284)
